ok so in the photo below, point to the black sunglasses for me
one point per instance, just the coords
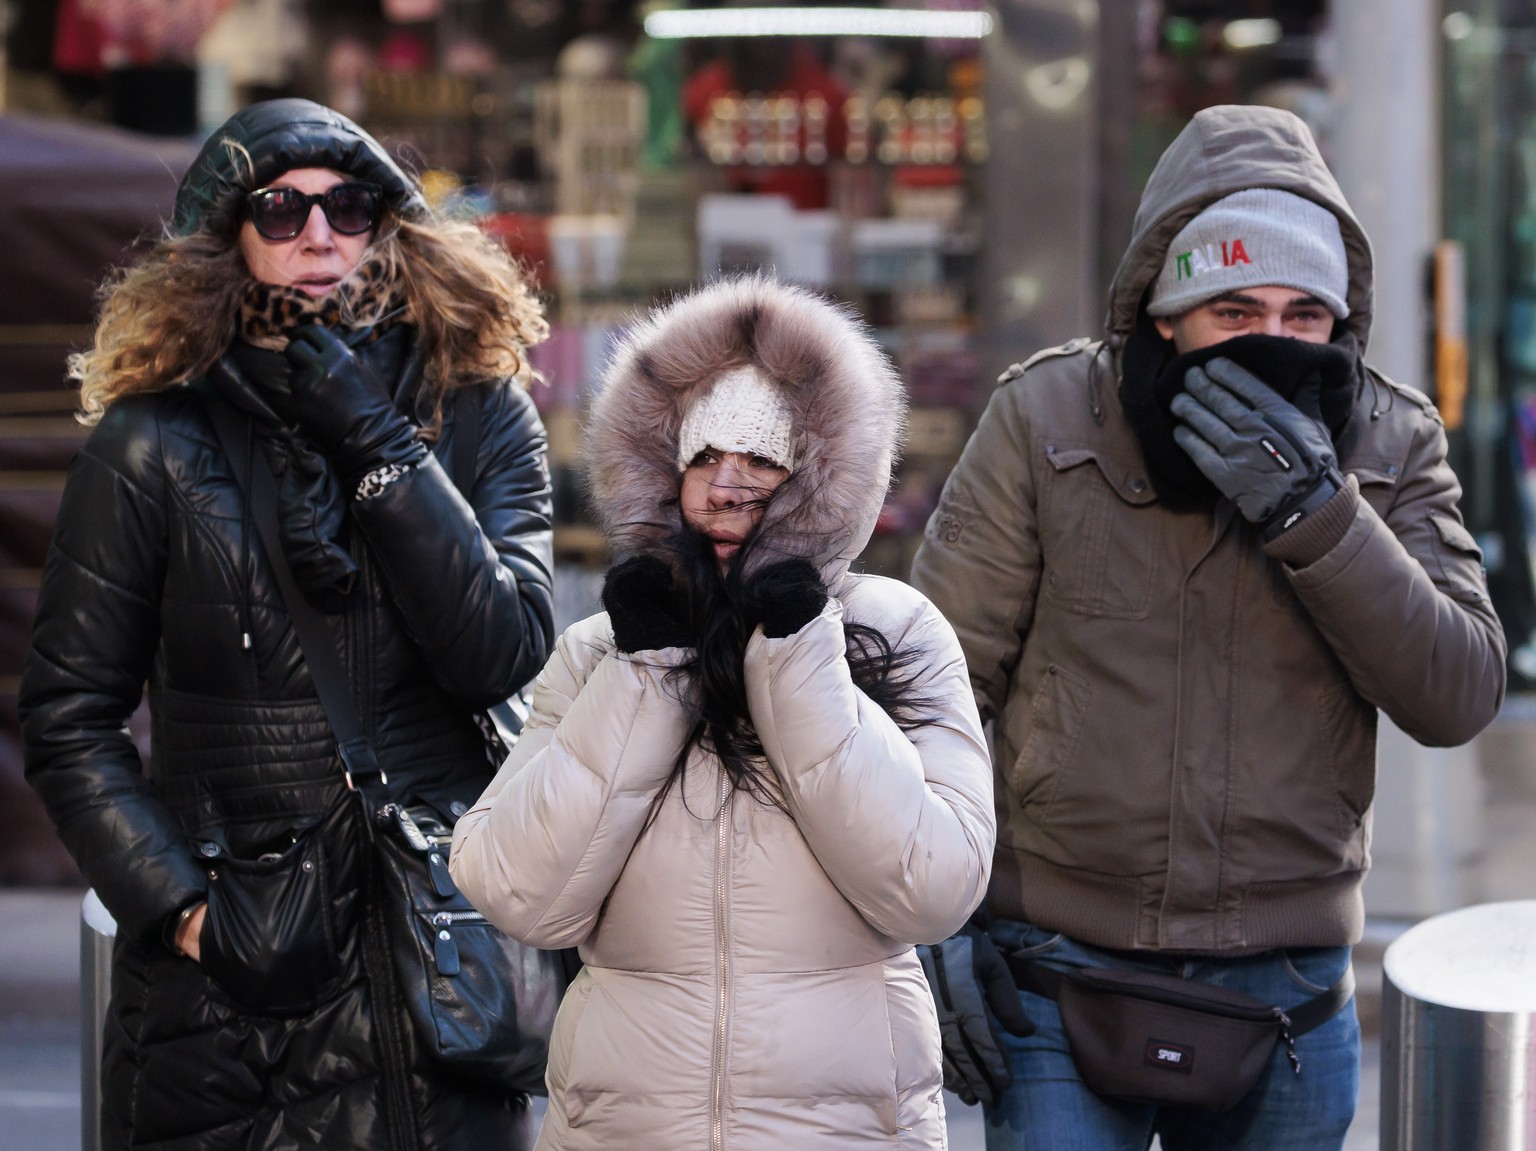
(281, 213)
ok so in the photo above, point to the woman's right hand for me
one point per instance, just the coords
(644, 605)
(189, 933)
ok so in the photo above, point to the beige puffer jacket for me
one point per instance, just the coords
(749, 978)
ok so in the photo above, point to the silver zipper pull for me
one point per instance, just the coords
(409, 829)
(1290, 1041)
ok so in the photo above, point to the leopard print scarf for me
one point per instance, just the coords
(368, 297)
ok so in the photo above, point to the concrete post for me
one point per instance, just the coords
(1384, 149)
(1458, 1043)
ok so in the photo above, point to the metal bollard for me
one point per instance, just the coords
(97, 931)
(1458, 1041)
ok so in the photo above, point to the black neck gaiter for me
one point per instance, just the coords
(1320, 379)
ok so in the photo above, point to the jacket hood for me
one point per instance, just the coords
(847, 404)
(259, 143)
(1226, 149)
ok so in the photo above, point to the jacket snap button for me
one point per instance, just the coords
(209, 849)
(458, 807)
(308, 865)
(1138, 485)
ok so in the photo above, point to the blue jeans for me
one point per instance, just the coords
(1049, 1109)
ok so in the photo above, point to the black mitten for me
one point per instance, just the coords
(644, 605)
(785, 596)
(345, 408)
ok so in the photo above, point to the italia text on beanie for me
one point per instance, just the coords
(1254, 238)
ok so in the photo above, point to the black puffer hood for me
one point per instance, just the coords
(259, 143)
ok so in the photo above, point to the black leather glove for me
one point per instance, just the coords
(1274, 462)
(974, 993)
(785, 596)
(644, 605)
(345, 408)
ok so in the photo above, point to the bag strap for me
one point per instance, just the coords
(326, 669)
(1038, 979)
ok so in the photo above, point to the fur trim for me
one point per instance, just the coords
(847, 405)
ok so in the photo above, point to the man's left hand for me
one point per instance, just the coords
(1267, 456)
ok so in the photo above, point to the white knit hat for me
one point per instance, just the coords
(1250, 239)
(741, 412)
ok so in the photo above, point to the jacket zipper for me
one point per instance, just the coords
(722, 959)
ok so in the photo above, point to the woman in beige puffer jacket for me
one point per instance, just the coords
(708, 799)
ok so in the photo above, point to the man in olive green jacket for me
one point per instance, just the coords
(1187, 564)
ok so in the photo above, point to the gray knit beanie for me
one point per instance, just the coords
(1253, 238)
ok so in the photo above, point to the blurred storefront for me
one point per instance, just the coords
(1081, 100)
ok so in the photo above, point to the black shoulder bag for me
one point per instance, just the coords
(482, 1003)
(1149, 1038)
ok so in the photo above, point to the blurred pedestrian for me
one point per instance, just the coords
(748, 788)
(1187, 564)
(355, 338)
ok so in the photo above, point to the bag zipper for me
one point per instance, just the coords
(449, 918)
(445, 951)
(1175, 999)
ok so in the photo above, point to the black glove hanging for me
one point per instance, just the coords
(345, 408)
(974, 993)
(312, 507)
(645, 606)
(785, 596)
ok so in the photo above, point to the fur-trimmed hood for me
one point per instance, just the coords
(847, 403)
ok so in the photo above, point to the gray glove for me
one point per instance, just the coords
(1265, 454)
(974, 993)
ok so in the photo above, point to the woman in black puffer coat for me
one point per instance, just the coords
(305, 284)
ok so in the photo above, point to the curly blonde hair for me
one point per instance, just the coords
(165, 319)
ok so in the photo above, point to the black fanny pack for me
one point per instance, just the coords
(1149, 1038)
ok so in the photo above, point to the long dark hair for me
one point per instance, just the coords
(722, 623)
